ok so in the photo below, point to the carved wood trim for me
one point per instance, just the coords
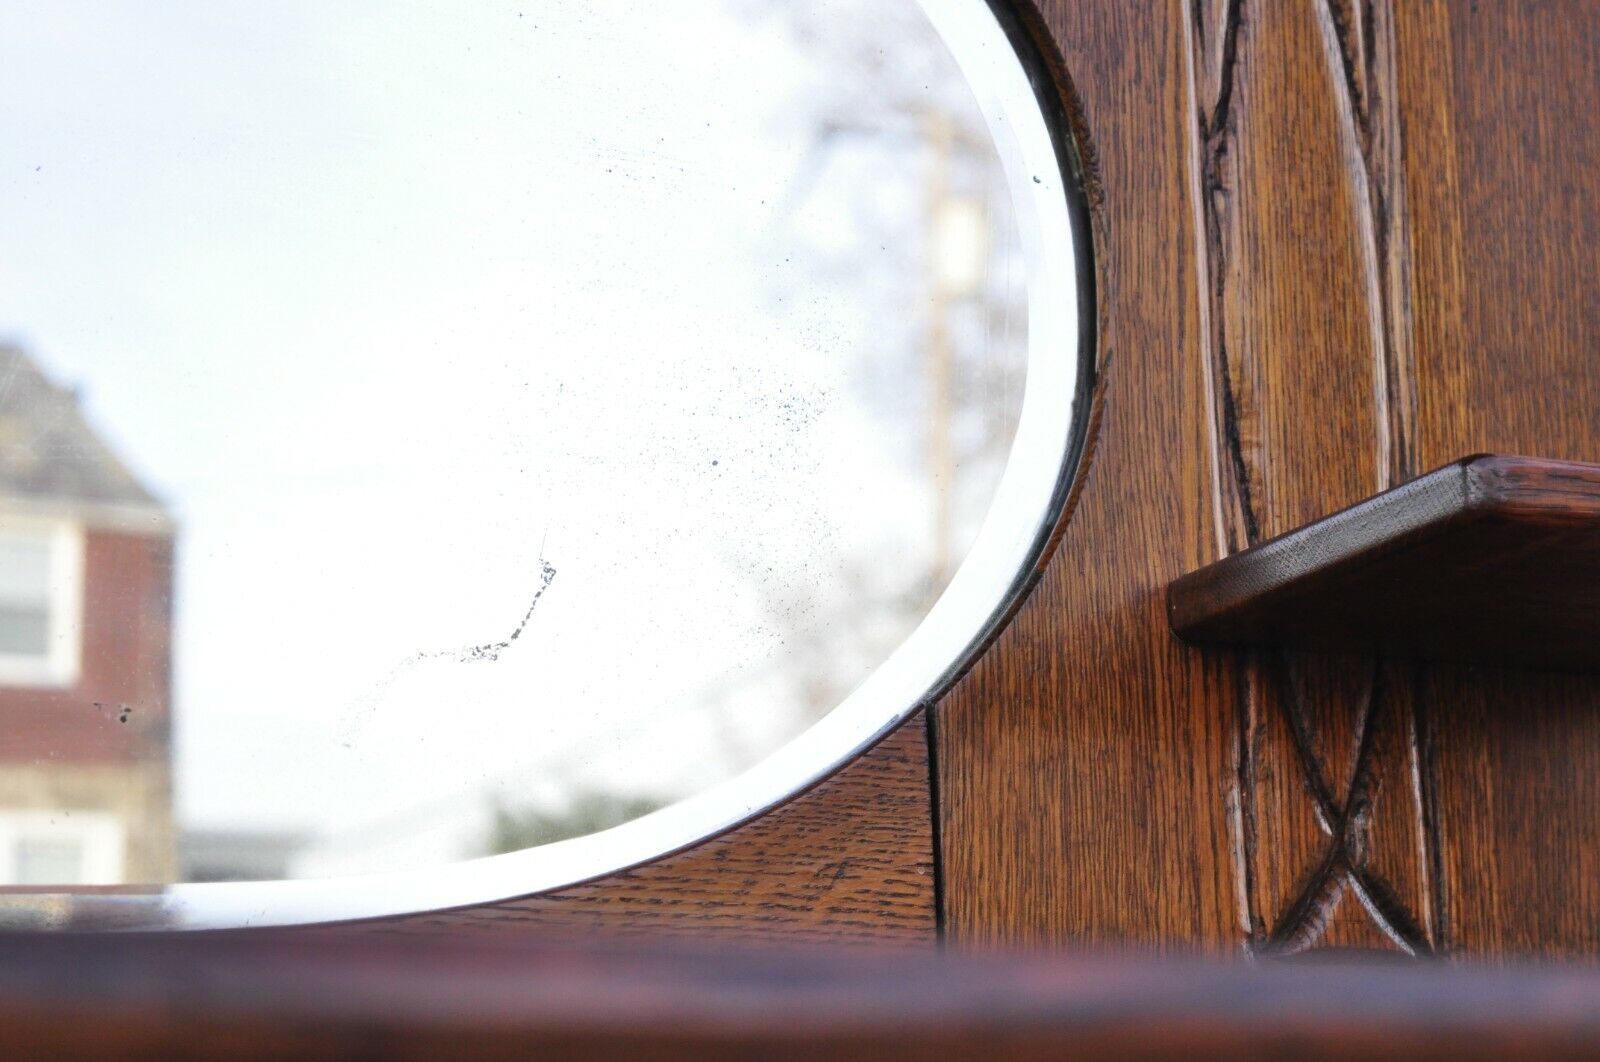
(1355, 45)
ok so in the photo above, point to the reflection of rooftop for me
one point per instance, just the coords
(86, 563)
(49, 451)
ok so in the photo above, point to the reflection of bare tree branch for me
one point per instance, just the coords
(833, 640)
(894, 146)
(830, 131)
(950, 374)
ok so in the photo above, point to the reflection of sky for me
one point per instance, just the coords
(391, 309)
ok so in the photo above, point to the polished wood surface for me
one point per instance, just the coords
(274, 995)
(1338, 242)
(849, 863)
(1502, 149)
(1080, 798)
(1489, 560)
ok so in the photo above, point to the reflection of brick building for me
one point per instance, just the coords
(85, 655)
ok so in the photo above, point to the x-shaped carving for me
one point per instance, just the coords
(1347, 823)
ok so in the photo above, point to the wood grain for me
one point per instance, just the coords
(1248, 326)
(848, 863)
(1502, 115)
(1296, 144)
(1338, 241)
(1085, 763)
(1487, 560)
(276, 995)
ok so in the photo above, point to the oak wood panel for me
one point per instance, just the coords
(848, 863)
(1294, 140)
(1096, 785)
(1487, 560)
(1383, 219)
(1085, 771)
(1501, 107)
(304, 995)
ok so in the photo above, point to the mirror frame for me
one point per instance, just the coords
(1023, 111)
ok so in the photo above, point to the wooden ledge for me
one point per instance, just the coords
(318, 994)
(1491, 560)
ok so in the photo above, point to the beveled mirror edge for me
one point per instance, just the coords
(1023, 113)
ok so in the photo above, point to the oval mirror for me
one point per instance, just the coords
(489, 446)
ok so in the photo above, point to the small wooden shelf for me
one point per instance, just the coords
(1492, 560)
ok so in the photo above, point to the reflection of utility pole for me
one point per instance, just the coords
(941, 463)
(958, 259)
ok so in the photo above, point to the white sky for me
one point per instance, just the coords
(394, 301)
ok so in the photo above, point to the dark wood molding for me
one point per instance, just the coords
(319, 995)
(1488, 560)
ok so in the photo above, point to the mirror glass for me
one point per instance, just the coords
(432, 430)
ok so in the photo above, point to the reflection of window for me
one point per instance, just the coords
(60, 848)
(41, 568)
(49, 860)
(24, 596)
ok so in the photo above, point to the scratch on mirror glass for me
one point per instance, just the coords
(492, 650)
(472, 654)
